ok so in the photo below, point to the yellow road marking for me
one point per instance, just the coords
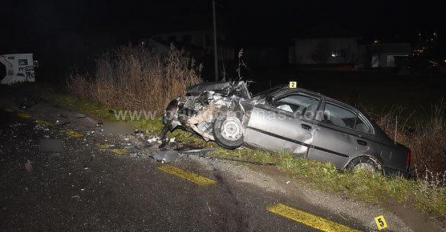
(102, 146)
(73, 134)
(197, 179)
(23, 115)
(9, 110)
(43, 122)
(309, 219)
(119, 151)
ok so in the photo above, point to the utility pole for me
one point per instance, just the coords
(215, 41)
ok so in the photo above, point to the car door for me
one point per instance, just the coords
(338, 135)
(281, 125)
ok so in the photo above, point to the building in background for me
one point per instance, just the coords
(326, 43)
(388, 55)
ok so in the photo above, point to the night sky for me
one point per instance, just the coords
(77, 28)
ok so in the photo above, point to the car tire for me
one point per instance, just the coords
(363, 163)
(228, 130)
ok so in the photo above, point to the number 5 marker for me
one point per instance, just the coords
(381, 222)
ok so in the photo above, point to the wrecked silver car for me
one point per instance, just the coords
(307, 124)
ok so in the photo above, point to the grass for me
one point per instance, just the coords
(368, 187)
(360, 185)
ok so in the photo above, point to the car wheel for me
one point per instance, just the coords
(363, 163)
(228, 130)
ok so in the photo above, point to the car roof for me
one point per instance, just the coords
(286, 89)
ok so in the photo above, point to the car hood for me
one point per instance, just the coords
(236, 88)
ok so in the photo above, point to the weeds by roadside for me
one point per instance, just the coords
(427, 140)
(137, 78)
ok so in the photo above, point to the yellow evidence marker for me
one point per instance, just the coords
(293, 84)
(381, 222)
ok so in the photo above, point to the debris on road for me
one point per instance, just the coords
(200, 152)
(41, 127)
(166, 156)
(154, 139)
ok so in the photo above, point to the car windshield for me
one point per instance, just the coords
(267, 92)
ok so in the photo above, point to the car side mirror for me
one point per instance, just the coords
(269, 100)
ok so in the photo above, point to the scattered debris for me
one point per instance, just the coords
(166, 156)
(41, 127)
(201, 152)
(139, 134)
(154, 139)
(16, 125)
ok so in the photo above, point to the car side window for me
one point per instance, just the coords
(362, 126)
(339, 116)
(297, 103)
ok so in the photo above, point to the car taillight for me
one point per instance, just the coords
(409, 158)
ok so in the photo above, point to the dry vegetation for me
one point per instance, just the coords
(426, 139)
(137, 78)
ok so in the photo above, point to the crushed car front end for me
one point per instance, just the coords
(208, 106)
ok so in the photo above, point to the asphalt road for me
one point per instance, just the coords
(84, 188)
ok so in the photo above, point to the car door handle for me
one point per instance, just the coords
(362, 142)
(305, 126)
